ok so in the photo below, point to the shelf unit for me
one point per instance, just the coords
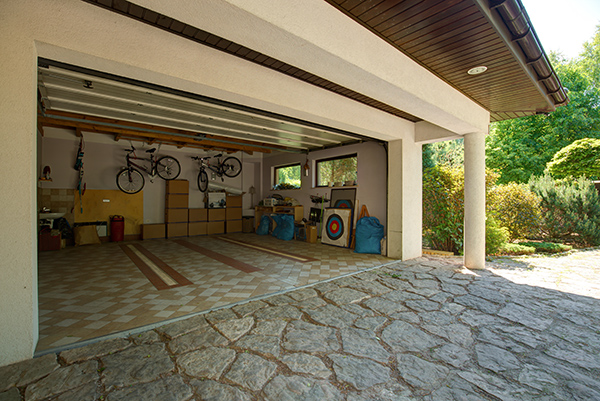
(297, 211)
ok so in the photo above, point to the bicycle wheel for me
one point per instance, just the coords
(202, 181)
(168, 168)
(130, 181)
(232, 167)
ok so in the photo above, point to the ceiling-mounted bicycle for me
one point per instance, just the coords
(229, 167)
(131, 181)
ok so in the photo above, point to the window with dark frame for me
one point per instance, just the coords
(341, 170)
(287, 177)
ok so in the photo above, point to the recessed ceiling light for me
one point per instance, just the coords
(477, 70)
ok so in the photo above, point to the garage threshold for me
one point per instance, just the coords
(93, 293)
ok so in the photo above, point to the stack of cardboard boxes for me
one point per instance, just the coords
(234, 214)
(197, 222)
(176, 208)
(180, 221)
(216, 221)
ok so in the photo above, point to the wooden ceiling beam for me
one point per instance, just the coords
(176, 140)
(237, 144)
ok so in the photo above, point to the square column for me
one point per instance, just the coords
(405, 200)
(18, 233)
(474, 245)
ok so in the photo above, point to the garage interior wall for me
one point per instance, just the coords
(104, 158)
(372, 176)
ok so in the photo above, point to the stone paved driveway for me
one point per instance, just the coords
(422, 330)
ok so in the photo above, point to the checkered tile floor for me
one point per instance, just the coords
(95, 290)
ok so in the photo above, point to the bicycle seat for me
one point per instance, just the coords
(219, 155)
(151, 150)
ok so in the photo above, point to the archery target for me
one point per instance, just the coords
(343, 204)
(336, 227)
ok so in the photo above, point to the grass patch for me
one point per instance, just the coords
(516, 249)
(547, 247)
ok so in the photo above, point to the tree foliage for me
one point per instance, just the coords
(337, 170)
(522, 147)
(581, 158)
(446, 153)
(288, 177)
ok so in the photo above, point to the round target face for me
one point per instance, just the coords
(343, 204)
(335, 227)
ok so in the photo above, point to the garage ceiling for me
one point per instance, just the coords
(94, 102)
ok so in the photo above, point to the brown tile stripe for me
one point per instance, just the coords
(272, 251)
(149, 273)
(246, 268)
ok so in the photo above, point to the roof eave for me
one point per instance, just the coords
(512, 24)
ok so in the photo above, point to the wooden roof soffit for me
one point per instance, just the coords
(150, 133)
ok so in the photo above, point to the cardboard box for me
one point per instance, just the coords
(311, 234)
(233, 213)
(234, 201)
(216, 227)
(234, 226)
(177, 201)
(152, 231)
(248, 225)
(177, 230)
(216, 214)
(197, 228)
(176, 215)
(197, 215)
(216, 200)
(178, 187)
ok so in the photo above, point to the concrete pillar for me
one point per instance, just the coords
(474, 245)
(405, 200)
(18, 242)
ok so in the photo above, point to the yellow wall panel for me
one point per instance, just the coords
(95, 208)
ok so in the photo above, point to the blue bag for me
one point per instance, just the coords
(263, 227)
(286, 227)
(369, 232)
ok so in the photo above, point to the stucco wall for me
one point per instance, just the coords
(79, 33)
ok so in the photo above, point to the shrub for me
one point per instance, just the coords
(495, 236)
(548, 247)
(569, 207)
(443, 207)
(581, 158)
(517, 208)
(516, 249)
(443, 200)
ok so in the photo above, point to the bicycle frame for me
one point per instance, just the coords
(217, 170)
(130, 163)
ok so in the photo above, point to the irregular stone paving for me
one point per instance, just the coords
(425, 329)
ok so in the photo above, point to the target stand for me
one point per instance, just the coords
(337, 227)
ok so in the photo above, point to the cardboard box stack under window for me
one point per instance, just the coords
(176, 208)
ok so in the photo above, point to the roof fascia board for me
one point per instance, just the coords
(496, 20)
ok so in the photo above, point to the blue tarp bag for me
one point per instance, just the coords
(369, 232)
(285, 226)
(263, 227)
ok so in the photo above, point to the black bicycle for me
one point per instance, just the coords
(131, 181)
(229, 167)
